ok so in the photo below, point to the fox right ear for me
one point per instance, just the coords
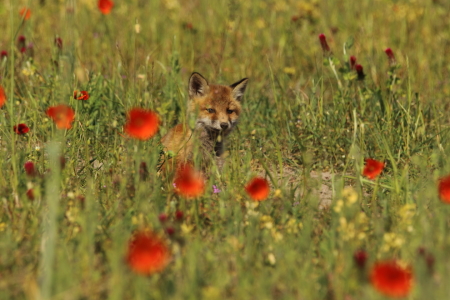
(239, 88)
(198, 86)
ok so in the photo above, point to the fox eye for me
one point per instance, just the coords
(230, 111)
(211, 110)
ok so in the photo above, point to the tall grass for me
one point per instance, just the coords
(298, 122)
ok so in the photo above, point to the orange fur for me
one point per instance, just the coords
(217, 109)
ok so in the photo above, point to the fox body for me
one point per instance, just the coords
(216, 109)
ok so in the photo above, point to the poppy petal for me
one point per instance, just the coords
(189, 182)
(258, 189)
(147, 253)
(141, 124)
(391, 279)
(62, 115)
(373, 168)
(105, 6)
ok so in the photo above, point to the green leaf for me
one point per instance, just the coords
(349, 43)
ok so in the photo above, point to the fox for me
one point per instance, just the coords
(216, 110)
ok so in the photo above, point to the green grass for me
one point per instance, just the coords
(297, 121)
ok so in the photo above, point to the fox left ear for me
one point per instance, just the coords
(198, 85)
(239, 89)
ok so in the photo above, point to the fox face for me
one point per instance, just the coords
(216, 109)
(218, 106)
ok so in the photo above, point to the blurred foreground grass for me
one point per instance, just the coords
(298, 121)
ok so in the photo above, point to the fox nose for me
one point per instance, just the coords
(224, 125)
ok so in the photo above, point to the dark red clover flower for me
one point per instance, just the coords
(30, 194)
(429, 259)
(21, 40)
(360, 258)
(62, 162)
(188, 26)
(179, 215)
(323, 43)
(59, 43)
(352, 62)
(390, 55)
(163, 217)
(143, 171)
(3, 54)
(170, 231)
(30, 169)
(21, 128)
(360, 71)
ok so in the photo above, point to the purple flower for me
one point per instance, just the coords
(216, 190)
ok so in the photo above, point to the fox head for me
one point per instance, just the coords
(218, 106)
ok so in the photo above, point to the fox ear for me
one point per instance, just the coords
(239, 88)
(198, 86)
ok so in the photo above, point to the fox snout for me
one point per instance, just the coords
(221, 125)
(218, 125)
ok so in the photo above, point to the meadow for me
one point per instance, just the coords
(74, 197)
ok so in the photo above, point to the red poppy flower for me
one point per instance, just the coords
(141, 124)
(147, 253)
(84, 95)
(2, 96)
(105, 6)
(373, 168)
(21, 128)
(62, 115)
(444, 189)
(391, 279)
(3, 54)
(258, 189)
(188, 182)
(323, 43)
(30, 169)
(25, 13)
